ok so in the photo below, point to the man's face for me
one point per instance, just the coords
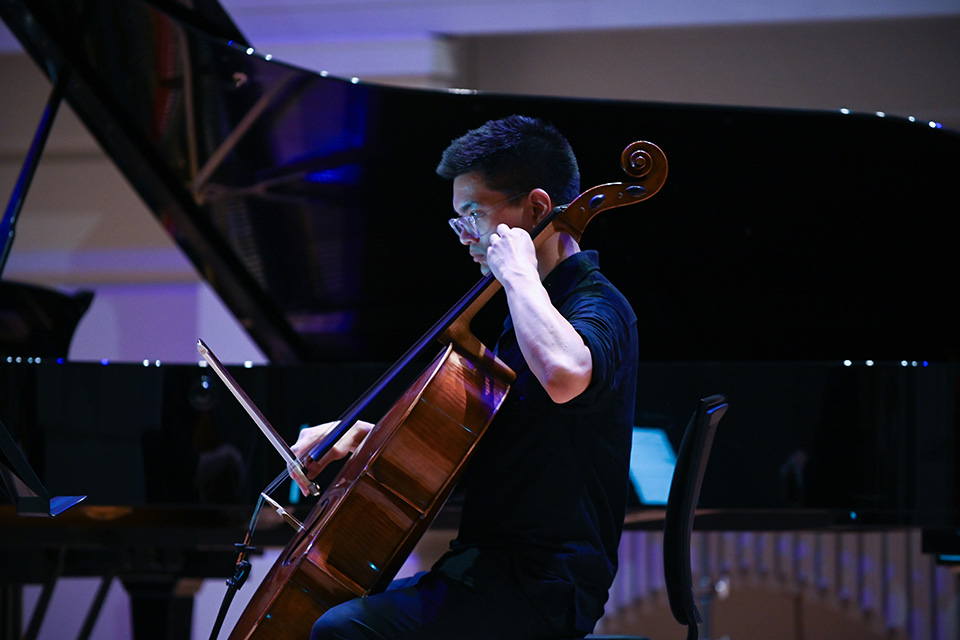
(488, 208)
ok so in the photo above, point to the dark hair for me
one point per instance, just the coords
(514, 155)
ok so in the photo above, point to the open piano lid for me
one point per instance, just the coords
(311, 205)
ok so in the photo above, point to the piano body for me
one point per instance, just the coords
(784, 243)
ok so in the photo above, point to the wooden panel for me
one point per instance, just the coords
(421, 458)
(361, 539)
(307, 591)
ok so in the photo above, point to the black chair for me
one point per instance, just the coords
(681, 507)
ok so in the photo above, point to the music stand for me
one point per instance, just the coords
(23, 485)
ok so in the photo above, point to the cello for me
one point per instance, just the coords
(368, 520)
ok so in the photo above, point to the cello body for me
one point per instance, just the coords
(382, 501)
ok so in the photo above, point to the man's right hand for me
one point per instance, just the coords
(347, 444)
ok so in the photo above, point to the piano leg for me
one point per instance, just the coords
(11, 608)
(11, 601)
(162, 609)
(95, 608)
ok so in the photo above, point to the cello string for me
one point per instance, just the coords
(254, 519)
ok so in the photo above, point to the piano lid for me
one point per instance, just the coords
(311, 205)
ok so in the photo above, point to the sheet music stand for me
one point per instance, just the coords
(23, 485)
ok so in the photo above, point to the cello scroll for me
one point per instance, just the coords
(643, 161)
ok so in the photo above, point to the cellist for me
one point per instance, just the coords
(545, 492)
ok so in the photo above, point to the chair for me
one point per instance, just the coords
(681, 507)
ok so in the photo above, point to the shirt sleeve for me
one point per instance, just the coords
(606, 323)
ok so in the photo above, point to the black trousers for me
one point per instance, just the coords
(491, 605)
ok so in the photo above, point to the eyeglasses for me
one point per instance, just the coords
(468, 223)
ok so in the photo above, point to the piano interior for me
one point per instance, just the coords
(798, 261)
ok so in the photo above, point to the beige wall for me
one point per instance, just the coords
(905, 67)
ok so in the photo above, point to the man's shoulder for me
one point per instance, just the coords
(596, 284)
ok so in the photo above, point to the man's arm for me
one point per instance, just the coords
(552, 348)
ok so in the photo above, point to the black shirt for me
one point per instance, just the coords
(547, 485)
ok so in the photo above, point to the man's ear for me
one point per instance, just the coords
(541, 203)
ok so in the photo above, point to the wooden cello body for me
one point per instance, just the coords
(384, 498)
(387, 494)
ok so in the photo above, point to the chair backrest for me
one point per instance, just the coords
(681, 505)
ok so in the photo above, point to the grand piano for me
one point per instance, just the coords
(798, 261)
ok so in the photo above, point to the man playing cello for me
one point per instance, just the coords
(546, 489)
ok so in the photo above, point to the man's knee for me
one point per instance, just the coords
(338, 623)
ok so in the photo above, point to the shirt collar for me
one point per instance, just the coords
(569, 272)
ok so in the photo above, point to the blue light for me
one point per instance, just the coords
(349, 174)
(105, 362)
(853, 515)
(652, 462)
